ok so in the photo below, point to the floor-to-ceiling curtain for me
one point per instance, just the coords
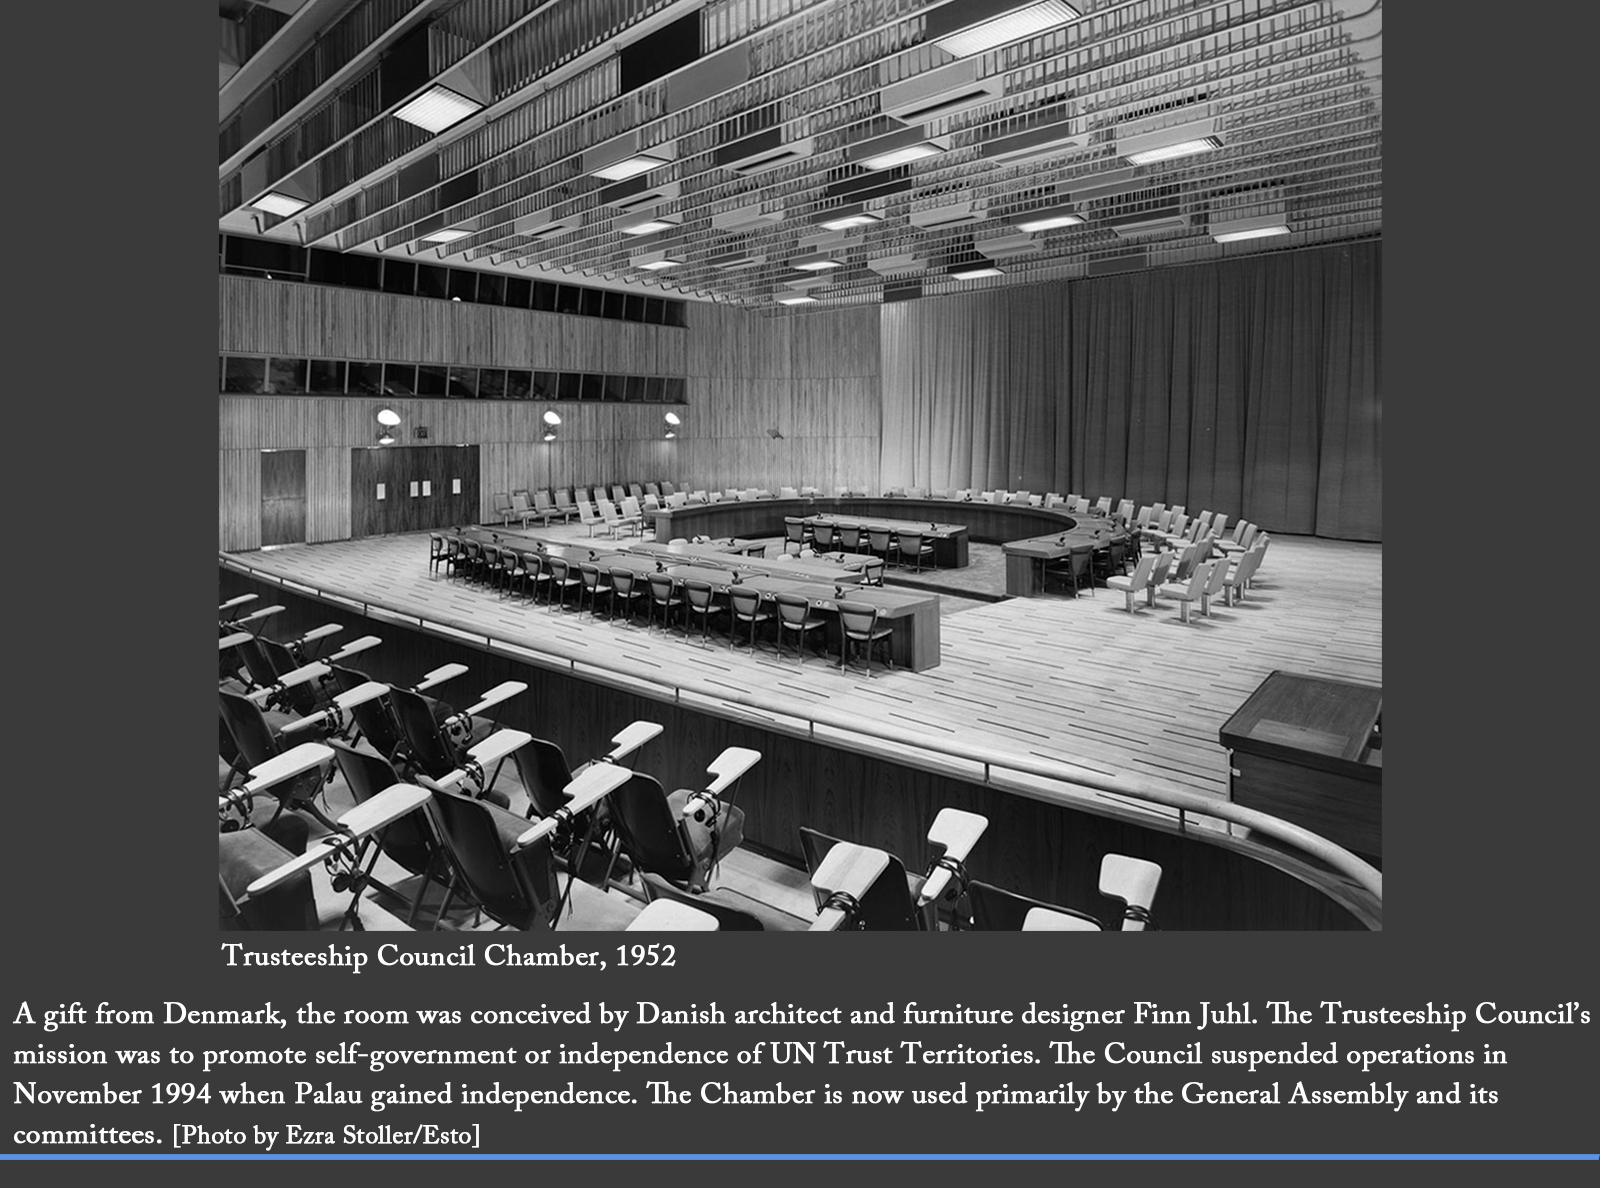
(1250, 386)
(977, 390)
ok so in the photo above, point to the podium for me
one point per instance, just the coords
(1309, 750)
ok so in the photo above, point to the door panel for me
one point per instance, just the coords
(283, 497)
(397, 468)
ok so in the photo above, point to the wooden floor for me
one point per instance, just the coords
(1077, 681)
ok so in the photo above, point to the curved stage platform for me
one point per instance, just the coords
(1029, 695)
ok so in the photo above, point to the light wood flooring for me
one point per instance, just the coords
(1077, 681)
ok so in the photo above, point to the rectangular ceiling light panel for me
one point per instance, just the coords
(1004, 27)
(437, 108)
(1169, 143)
(282, 205)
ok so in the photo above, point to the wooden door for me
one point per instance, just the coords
(412, 488)
(283, 497)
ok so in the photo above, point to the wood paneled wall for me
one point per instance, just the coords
(261, 317)
(813, 377)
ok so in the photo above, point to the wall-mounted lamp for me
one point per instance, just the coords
(673, 421)
(387, 420)
(551, 420)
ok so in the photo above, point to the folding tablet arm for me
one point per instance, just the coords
(295, 677)
(332, 719)
(234, 640)
(297, 647)
(492, 750)
(728, 767)
(460, 724)
(954, 832)
(445, 672)
(1133, 881)
(845, 874)
(668, 915)
(352, 834)
(291, 763)
(583, 793)
(629, 739)
(258, 618)
(238, 600)
(1043, 919)
(354, 648)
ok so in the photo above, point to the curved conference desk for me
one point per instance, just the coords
(1032, 535)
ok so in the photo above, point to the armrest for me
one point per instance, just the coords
(851, 869)
(594, 785)
(630, 738)
(342, 703)
(286, 766)
(383, 809)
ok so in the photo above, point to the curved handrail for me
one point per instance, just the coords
(1341, 861)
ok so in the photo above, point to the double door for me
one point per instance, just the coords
(412, 488)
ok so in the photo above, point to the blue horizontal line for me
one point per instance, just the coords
(816, 1157)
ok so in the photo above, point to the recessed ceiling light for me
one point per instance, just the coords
(647, 222)
(1007, 27)
(1184, 148)
(815, 263)
(655, 261)
(437, 108)
(799, 300)
(628, 167)
(448, 235)
(1223, 236)
(1046, 220)
(974, 272)
(902, 156)
(282, 205)
(846, 218)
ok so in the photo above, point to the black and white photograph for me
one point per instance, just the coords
(800, 465)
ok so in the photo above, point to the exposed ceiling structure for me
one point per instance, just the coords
(787, 154)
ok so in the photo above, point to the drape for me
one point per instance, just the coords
(1249, 386)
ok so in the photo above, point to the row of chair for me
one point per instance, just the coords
(691, 606)
(405, 762)
(863, 888)
(897, 546)
(1191, 578)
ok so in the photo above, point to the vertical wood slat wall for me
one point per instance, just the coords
(813, 377)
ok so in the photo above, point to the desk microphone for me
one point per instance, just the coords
(838, 591)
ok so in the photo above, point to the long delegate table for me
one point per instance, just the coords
(1032, 528)
(949, 540)
(947, 523)
(914, 617)
(1026, 559)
